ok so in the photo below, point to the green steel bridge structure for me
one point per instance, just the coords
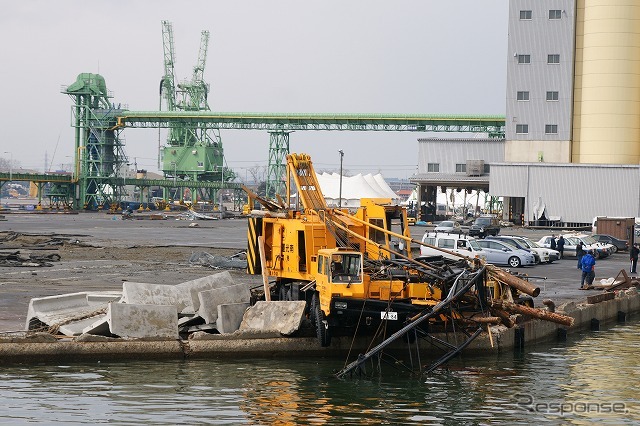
(97, 164)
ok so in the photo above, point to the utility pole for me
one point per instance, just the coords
(340, 196)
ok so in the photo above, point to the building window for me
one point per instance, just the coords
(551, 129)
(487, 168)
(522, 129)
(525, 15)
(461, 168)
(552, 96)
(523, 95)
(433, 167)
(555, 14)
(553, 59)
(524, 59)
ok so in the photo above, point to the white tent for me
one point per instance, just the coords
(354, 188)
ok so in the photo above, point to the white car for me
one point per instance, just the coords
(455, 243)
(449, 226)
(545, 253)
(570, 244)
(502, 253)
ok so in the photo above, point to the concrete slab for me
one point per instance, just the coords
(210, 299)
(76, 328)
(210, 282)
(154, 294)
(230, 317)
(183, 295)
(138, 321)
(60, 309)
(282, 316)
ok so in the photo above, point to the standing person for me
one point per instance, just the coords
(634, 257)
(560, 246)
(553, 242)
(588, 267)
(579, 253)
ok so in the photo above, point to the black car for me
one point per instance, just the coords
(616, 242)
(485, 225)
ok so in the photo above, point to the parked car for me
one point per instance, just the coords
(448, 226)
(456, 243)
(571, 242)
(603, 249)
(502, 253)
(552, 254)
(617, 243)
(540, 255)
(485, 225)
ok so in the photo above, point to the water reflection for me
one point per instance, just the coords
(597, 370)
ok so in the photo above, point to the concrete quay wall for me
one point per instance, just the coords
(42, 348)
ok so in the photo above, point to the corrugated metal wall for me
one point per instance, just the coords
(449, 152)
(574, 192)
(539, 37)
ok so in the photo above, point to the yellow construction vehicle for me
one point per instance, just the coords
(354, 271)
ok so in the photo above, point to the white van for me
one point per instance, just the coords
(456, 243)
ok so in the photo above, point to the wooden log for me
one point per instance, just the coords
(504, 317)
(597, 298)
(513, 281)
(535, 313)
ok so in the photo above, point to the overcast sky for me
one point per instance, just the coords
(373, 56)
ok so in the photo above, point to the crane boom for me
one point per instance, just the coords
(198, 70)
(168, 80)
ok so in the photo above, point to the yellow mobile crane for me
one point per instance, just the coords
(358, 275)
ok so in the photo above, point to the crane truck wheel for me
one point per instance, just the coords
(320, 321)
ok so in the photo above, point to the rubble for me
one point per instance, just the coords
(214, 304)
(202, 258)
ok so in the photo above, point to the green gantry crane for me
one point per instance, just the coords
(194, 149)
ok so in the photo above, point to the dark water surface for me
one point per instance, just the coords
(591, 379)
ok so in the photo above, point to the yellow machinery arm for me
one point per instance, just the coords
(300, 167)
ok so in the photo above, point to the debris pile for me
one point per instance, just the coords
(202, 258)
(27, 259)
(215, 304)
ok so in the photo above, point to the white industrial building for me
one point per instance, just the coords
(572, 122)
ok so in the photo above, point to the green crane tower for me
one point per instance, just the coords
(193, 150)
(99, 150)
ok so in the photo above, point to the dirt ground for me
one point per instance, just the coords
(87, 265)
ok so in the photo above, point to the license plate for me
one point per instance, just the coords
(389, 316)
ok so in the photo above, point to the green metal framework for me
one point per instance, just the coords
(276, 174)
(493, 125)
(98, 147)
(280, 125)
(194, 150)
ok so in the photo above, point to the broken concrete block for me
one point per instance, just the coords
(210, 299)
(230, 316)
(282, 316)
(210, 282)
(138, 321)
(154, 294)
(61, 309)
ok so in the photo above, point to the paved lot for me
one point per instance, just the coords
(158, 251)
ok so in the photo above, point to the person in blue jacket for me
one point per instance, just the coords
(588, 264)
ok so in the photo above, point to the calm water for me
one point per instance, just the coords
(593, 378)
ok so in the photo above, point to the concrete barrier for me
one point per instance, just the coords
(210, 299)
(211, 282)
(154, 294)
(138, 321)
(281, 316)
(230, 317)
(65, 309)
